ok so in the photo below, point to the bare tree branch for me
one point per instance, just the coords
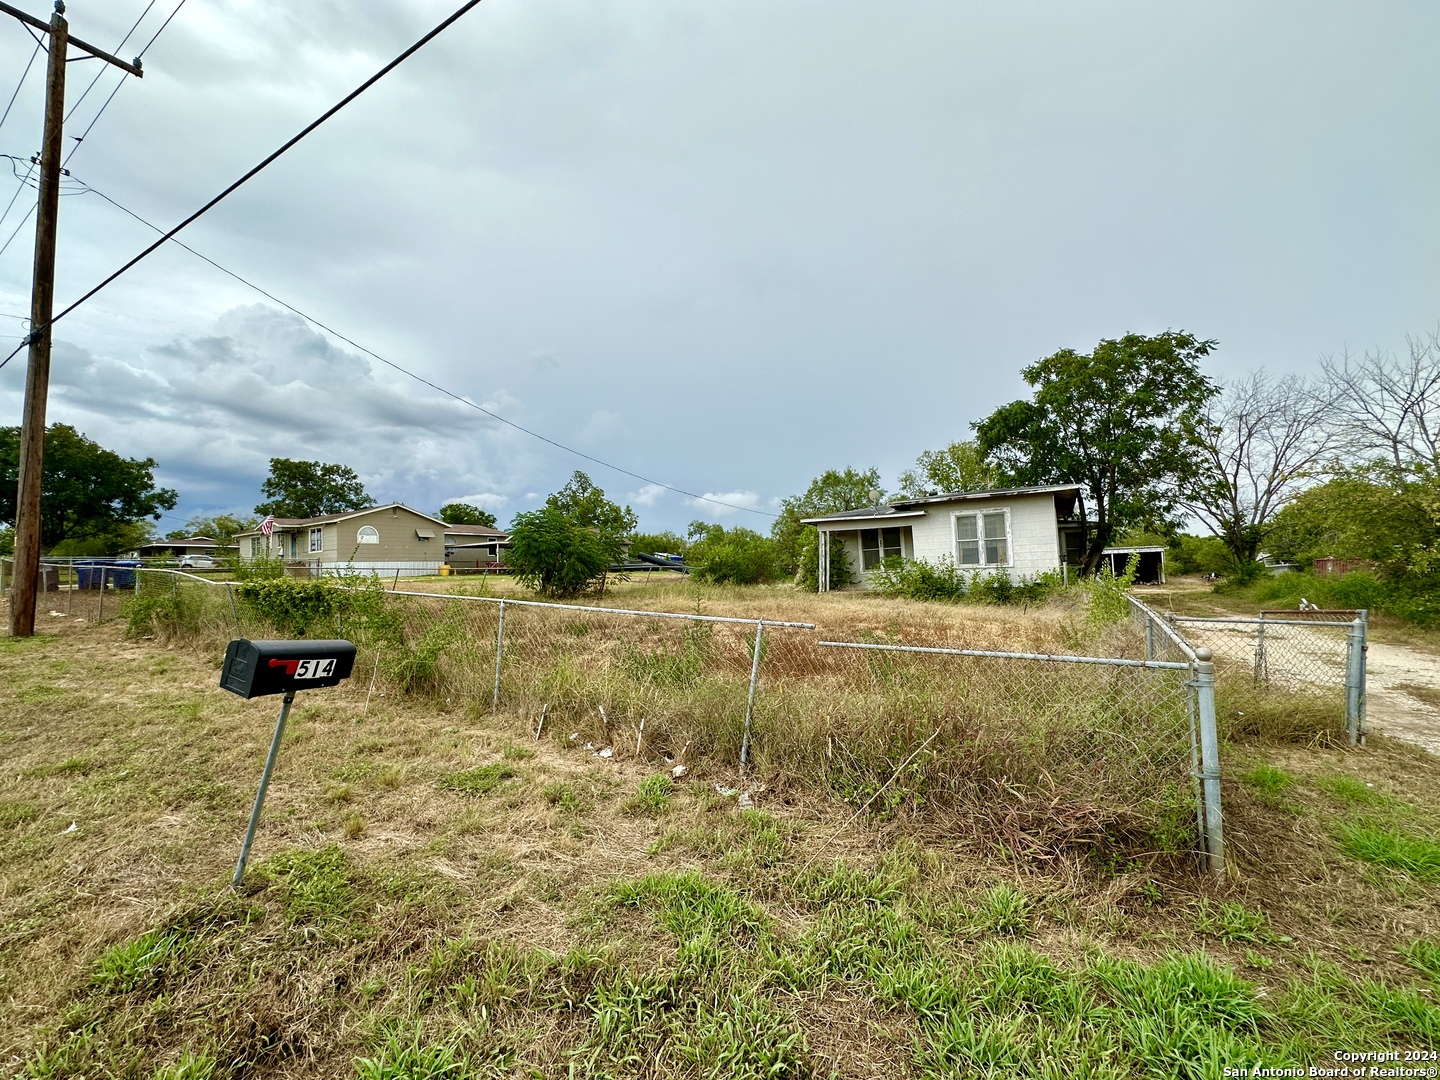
(1388, 404)
(1262, 440)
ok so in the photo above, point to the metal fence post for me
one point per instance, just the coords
(1149, 638)
(1210, 761)
(750, 701)
(1355, 682)
(234, 611)
(499, 653)
(264, 783)
(100, 615)
(1262, 668)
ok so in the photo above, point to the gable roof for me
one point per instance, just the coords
(915, 507)
(326, 519)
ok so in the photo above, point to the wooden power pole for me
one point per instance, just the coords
(42, 307)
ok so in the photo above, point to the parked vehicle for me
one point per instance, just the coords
(199, 562)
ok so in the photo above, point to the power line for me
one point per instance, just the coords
(123, 79)
(20, 84)
(326, 115)
(74, 108)
(420, 378)
(94, 120)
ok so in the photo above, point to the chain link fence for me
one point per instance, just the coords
(1313, 660)
(1041, 752)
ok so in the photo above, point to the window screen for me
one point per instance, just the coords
(996, 552)
(968, 540)
(317, 540)
(877, 545)
(982, 539)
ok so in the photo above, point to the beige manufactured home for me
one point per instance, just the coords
(386, 539)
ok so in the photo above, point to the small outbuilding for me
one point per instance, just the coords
(1151, 570)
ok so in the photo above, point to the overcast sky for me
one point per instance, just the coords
(723, 245)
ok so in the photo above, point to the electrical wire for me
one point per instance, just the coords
(124, 78)
(20, 84)
(420, 378)
(93, 121)
(274, 156)
(74, 108)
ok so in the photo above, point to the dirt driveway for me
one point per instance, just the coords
(1403, 694)
(1402, 684)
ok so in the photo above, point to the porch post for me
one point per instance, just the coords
(823, 559)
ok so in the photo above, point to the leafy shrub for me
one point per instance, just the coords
(556, 555)
(1413, 598)
(943, 580)
(735, 556)
(1109, 591)
(842, 573)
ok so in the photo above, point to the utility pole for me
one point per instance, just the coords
(42, 307)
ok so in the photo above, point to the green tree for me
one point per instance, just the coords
(832, 492)
(555, 555)
(568, 545)
(649, 543)
(221, 527)
(87, 492)
(585, 504)
(961, 466)
(302, 489)
(736, 556)
(1123, 421)
(458, 513)
(1377, 511)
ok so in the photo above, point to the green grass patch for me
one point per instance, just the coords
(315, 886)
(1385, 846)
(1232, 921)
(1424, 955)
(479, 781)
(652, 796)
(13, 814)
(134, 964)
(1350, 790)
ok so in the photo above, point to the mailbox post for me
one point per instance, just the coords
(260, 668)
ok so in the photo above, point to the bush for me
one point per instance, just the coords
(943, 580)
(1413, 598)
(556, 556)
(1109, 592)
(731, 556)
(301, 607)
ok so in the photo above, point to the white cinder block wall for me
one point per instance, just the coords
(1034, 537)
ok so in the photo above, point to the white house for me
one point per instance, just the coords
(1016, 531)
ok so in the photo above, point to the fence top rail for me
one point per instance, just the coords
(1057, 658)
(1256, 622)
(167, 570)
(600, 610)
(1165, 628)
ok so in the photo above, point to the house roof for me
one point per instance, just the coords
(475, 530)
(908, 507)
(326, 519)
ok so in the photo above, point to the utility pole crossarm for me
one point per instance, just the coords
(133, 68)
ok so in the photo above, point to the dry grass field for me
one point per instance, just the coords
(435, 892)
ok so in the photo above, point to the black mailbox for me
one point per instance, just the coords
(256, 668)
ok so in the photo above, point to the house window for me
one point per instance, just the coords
(982, 539)
(368, 534)
(877, 545)
(255, 547)
(317, 540)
